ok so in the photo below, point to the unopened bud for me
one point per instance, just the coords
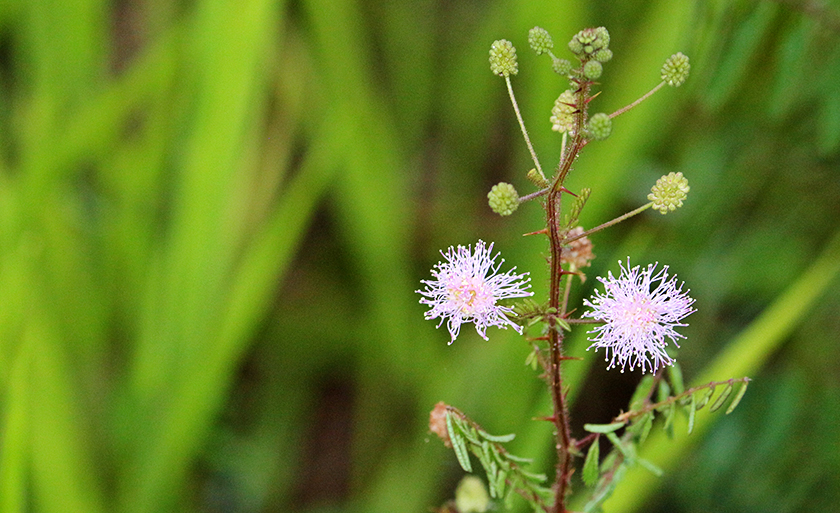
(669, 192)
(503, 199)
(592, 70)
(588, 41)
(540, 40)
(599, 126)
(675, 70)
(503, 58)
(471, 495)
(603, 55)
(561, 66)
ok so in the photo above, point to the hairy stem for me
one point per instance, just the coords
(522, 127)
(556, 234)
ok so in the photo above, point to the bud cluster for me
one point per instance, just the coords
(591, 43)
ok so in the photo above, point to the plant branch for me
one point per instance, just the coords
(522, 126)
(640, 100)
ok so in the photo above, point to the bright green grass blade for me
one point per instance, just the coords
(743, 356)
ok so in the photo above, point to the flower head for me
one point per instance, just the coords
(669, 192)
(468, 286)
(640, 309)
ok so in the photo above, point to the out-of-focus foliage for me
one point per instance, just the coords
(214, 215)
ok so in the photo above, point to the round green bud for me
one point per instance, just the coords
(603, 36)
(592, 70)
(561, 66)
(599, 126)
(563, 113)
(471, 496)
(669, 192)
(676, 69)
(540, 40)
(503, 199)
(588, 41)
(576, 46)
(603, 55)
(503, 58)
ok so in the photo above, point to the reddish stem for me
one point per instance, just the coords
(556, 235)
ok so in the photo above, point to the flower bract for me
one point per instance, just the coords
(468, 286)
(640, 310)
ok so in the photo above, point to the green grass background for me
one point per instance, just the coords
(214, 215)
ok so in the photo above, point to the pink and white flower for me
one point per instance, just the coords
(467, 287)
(640, 310)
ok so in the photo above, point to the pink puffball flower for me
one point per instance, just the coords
(640, 310)
(467, 287)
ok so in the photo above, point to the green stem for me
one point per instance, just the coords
(522, 126)
(640, 100)
(609, 223)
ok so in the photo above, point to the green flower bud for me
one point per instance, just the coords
(503, 199)
(675, 70)
(603, 36)
(599, 127)
(592, 70)
(669, 192)
(603, 55)
(503, 58)
(576, 46)
(471, 496)
(561, 66)
(540, 40)
(562, 114)
(588, 41)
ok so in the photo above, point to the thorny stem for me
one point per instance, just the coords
(556, 234)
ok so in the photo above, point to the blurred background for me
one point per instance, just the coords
(214, 216)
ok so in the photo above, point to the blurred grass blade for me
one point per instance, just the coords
(743, 356)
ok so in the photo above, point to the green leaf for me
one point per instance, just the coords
(669, 420)
(647, 424)
(518, 459)
(692, 410)
(501, 476)
(497, 438)
(706, 396)
(650, 466)
(741, 391)
(532, 360)
(590, 465)
(721, 398)
(492, 479)
(624, 449)
(534, 477)
(676, 375)
(664, 391)
(641, 393)
(604, 428)
(458, 445)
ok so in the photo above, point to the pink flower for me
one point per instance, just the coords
(467, 287)
(640, 309)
